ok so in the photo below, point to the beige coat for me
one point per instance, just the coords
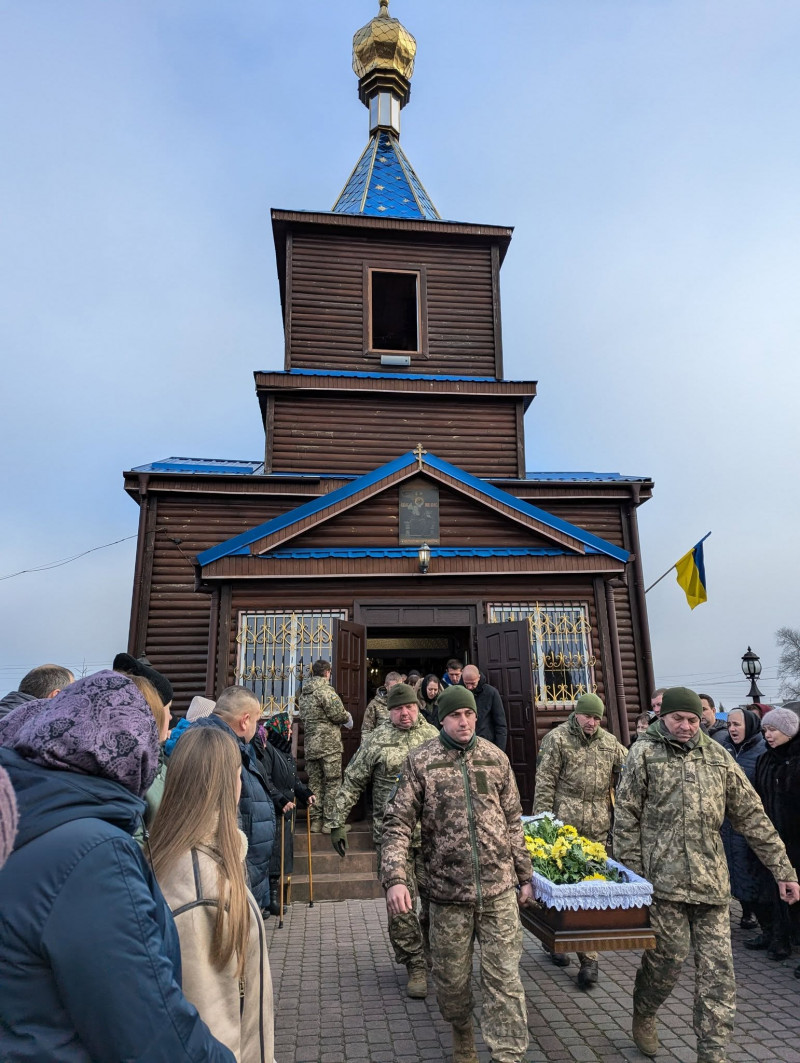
(241, 1017)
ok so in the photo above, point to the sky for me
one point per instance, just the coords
(645, 151)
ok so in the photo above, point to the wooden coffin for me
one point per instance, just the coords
(590, 929)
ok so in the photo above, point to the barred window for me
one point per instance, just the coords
(561, 648)
(276, 651)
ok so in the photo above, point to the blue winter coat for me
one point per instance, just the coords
(90, 968)
(256, 814)
(746, 870)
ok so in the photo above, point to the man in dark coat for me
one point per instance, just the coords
(713, 727)
(492, 723)
(237, 711)
(41, 683)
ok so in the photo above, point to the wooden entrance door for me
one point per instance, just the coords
(350, 678)
(504, 657)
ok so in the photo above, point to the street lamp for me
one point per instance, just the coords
(751, 666)
(424, 558)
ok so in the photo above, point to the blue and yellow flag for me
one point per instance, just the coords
(691, 575)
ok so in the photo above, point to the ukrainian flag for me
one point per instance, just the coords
(691, 575)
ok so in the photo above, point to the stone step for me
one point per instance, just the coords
(359, 838)
(331, 863)
(357, 886)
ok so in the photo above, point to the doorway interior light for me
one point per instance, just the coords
(424, 558)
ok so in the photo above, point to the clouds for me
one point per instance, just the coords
(645, 152)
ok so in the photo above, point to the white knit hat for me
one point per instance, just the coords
(199, 708)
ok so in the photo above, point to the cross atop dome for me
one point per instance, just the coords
(383, 183)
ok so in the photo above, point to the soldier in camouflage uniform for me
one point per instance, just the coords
(379, 762)
(377, 711)
(676, 788)
(577, 768)
(323, 716)
(463, 792)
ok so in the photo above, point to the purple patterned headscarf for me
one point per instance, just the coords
(100, 725)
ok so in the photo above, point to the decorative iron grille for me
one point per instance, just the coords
(561, 652)
(276, 651)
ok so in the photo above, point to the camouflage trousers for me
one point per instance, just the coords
(454, 930)
(706, 929)
(324, 779)
(408, 933)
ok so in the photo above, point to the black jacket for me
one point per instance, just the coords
(283, 785)
(492, 723)
(12, 701)
(778, 786)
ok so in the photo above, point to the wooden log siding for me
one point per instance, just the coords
(320, 433)
(462, 522)
(176, 617)
(326, 311)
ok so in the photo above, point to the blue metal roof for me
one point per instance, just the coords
(479, 488)
(360, 374)
(583, 477)
(383, 184)
(204, 465)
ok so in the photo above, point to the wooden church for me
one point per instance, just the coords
(392, 522)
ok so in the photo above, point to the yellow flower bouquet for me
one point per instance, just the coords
(563, 856)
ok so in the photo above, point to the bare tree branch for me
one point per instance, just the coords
(788, 640)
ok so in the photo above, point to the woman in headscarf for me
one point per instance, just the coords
(91, 962)
(197, 853)
(428, 697)
(745, 743)
(778, 786)
(273, 747)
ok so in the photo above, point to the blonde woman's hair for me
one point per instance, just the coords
(199, 808)
(153, 699)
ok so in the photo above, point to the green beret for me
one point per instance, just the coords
(454, 698)
(590, 705)
(681, 699)
(400, 694)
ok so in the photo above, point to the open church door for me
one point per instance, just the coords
(350, 678)
(504, 657)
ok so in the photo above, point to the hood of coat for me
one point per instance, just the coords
(48, 798)
(658, 734)
(578, 731)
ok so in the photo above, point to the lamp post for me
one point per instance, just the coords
(424, 558)
(751, 666)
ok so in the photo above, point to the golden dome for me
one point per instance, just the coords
(384, 44)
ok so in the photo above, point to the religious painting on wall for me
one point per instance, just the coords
(419, 513)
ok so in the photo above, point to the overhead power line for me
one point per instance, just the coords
(65, 560)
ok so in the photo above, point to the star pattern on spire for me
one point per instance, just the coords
(383, 183)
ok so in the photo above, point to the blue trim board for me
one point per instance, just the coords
(208, 466)
(586, 476)
(360, 374)
(478, 487)
(413, 551)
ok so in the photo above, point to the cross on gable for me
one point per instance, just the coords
(418, 451)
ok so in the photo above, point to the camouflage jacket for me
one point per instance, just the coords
(468, 805)
(671, 802)
(574, 777)
(323, 714)
(375, 713)
(379, 761)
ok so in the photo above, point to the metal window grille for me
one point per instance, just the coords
(561, 650)
(276, 651)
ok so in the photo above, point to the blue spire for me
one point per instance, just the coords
(384, 185)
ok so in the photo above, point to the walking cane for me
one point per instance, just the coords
(310, 872)
(283, 846)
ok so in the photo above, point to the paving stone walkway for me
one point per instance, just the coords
(340, 998)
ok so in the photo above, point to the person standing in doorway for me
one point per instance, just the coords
(452, 675)
(323, 716)
(491, 723)
(377, 712)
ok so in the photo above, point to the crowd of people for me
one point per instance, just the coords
(141, 862)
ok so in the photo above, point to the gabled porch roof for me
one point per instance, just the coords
(267, 537)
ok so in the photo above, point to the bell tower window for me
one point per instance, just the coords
(394, 311)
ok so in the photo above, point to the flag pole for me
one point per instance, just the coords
(673, 566)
